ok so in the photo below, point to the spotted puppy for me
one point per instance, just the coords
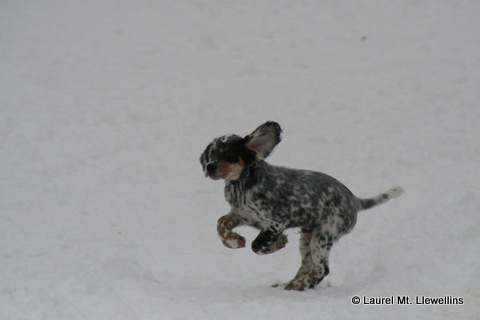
(272, 199)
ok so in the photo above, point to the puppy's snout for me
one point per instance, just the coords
(211, 167)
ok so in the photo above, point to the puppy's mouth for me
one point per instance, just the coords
(212, 176)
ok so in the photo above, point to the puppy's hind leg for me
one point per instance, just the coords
(306, 255)
(320, 245)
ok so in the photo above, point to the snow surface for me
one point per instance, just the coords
(105, 107)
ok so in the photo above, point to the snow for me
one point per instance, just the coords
(105, 107)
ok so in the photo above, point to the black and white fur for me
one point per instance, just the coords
(272, 199)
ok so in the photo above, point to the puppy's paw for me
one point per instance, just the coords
(262, 248)
(233, 240)
(296, 285)
(229, 238)
(281, 243)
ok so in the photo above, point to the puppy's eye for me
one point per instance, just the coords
(229, 155)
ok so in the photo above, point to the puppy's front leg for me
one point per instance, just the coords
(229, 238)
(269, 241)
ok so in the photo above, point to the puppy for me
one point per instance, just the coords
(272, 199)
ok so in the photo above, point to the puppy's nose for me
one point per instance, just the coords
(211, 167)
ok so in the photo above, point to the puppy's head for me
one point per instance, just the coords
(227, 156)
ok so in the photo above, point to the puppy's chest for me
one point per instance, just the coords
(245, 204)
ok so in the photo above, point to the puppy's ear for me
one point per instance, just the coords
(204, 157)
(264, 139)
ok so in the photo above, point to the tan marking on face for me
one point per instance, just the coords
(231, 171)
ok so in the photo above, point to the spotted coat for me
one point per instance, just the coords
(272, 199)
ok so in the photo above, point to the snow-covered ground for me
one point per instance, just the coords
(105, 107)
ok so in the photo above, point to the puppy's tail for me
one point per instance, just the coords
(393, 193)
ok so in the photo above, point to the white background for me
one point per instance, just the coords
(105, 107)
